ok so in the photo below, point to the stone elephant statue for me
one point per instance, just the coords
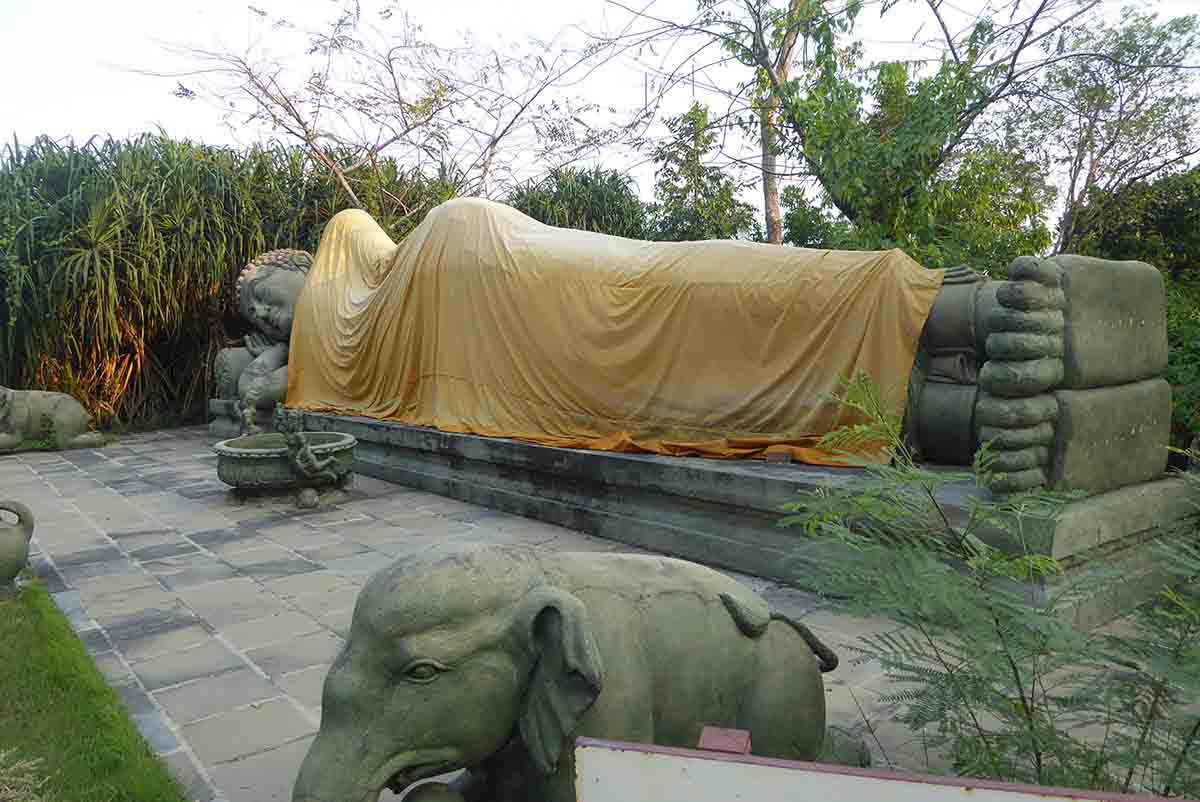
(494, 659)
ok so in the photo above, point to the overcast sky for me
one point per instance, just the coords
(69, 66)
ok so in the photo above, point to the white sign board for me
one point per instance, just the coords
(607, 771)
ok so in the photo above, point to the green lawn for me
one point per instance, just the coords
(56, 707)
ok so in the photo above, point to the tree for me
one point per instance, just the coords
(876, 138)
(772, 64)
(591, 200)
(1116, 107)
(1151, 221)
(809, 225)
(695, 200)
(987, 209)
(371, 85)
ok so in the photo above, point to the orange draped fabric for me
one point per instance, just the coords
(485, 321)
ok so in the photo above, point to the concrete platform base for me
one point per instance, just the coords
(727, 513)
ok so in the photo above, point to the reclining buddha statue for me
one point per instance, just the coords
(484, 321)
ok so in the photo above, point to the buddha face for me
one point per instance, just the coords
(269, 300)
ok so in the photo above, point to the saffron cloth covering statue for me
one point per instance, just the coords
(485, 321)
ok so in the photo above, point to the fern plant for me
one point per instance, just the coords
(987, 663)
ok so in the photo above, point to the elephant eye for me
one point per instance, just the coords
(423, 671)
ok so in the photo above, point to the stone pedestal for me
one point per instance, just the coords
(726, 513)
(1105, 544)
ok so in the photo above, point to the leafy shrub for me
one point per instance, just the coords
(118, 259)
(1007, 688)
(1183, 361)
(596, 200)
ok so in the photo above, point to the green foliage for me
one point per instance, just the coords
(1158, 222)
(1183, 359)
(58, 710)
(1123, 111)
(808, 225)
(19, 779)
(985, 210)
(118, 259)
(1008, 689)
(988, 211)
(591, 200)
(695, 200)
(1152, 221)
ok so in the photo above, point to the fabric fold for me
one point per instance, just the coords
(485, 321)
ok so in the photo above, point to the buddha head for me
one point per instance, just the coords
(268, 288)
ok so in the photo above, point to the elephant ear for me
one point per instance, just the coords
(566, 678)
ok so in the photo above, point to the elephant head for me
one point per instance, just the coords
(452, 655)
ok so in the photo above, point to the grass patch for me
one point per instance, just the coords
(56, 709)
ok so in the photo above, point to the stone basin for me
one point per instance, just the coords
(262, 461)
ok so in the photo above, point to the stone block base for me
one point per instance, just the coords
(726, 513)
(1116, 321)
(1111, 437)
(1106, 545)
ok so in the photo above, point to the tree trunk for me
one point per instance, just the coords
(774, 219)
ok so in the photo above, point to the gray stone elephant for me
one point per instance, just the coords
(493, 659)
(28, 415)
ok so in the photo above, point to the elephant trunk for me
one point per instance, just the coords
(24, 517)
(333, 772)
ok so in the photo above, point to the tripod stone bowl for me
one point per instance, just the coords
(267, 462)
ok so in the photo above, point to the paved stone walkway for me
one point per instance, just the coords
(216, 619)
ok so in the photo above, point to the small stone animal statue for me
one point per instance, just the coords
(309, 465)
(36, 414)
(14, 545)
(494, 659)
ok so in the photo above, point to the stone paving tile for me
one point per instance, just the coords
(157, 732)
(292, 655)
(213, 695)
(116, 606)
(99, 589)
(375, 534)
(208, 585)
(280, 626)
(305, 685)
(137, 700)
(264, 777)
(150, 622)
(113, 668)
(72, 608)
(332, 550)
(95, 641)
(231, 601)
(205, 660)
(338, 620)
(48, 576)
(164, 642)
(407, 545)
(314, 582)
(158, 551)
(213, 539)
(132, 543)
(278, 569)
(261, 553)
(195, 788)
(247, 731)
(320, 605)
(363, 564)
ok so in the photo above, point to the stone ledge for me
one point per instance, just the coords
(726, 514)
